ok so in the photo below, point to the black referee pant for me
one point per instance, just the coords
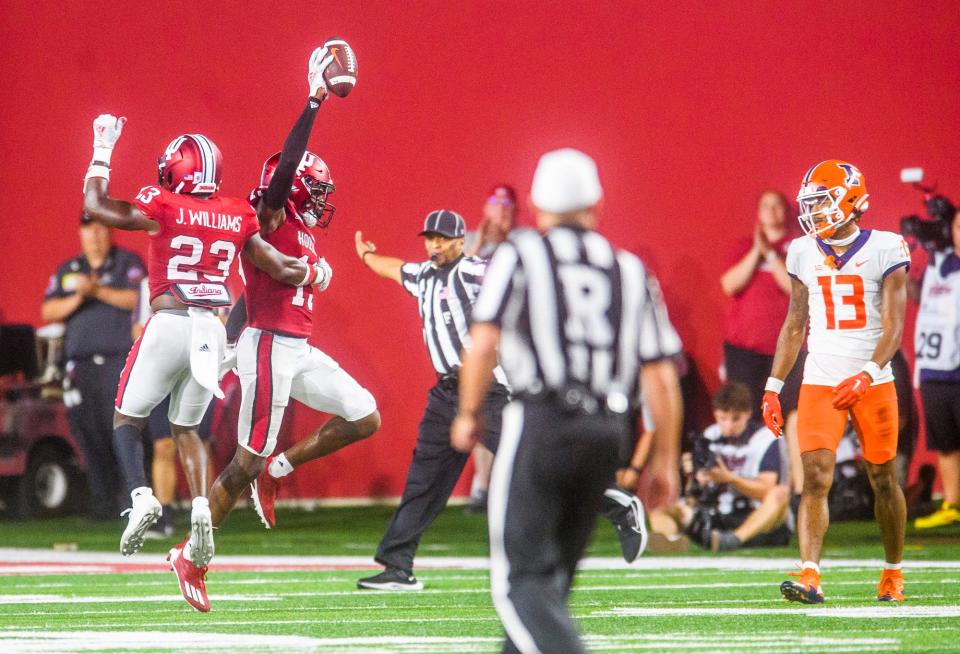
(96, 378)
(434, 471)
(546, 489)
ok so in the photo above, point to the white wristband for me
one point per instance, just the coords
(97, 170)
(774, 385)
(873, 370)
(307, 278)
(102, 154)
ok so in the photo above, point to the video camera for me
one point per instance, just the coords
(932, 233)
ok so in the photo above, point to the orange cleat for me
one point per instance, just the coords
(890, 588)
(807, 590)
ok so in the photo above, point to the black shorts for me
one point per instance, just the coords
(158, 425)
(705, 520)
(752, 369)
(941, 412)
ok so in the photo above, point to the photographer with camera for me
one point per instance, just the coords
(733, 498)
(937, 342)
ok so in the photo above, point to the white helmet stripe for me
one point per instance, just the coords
(209, 160)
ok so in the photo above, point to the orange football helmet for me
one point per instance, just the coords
(832, 194)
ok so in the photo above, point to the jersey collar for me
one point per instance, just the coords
(842, 259)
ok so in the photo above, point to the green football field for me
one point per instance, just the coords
(293, 589)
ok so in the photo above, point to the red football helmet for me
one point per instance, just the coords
(191, 164)
(832, 194)
(312, 185)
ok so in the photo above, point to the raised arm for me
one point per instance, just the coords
(270, 208)
(388, 267)
(96, 202)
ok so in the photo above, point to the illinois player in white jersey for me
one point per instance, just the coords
(194, 236)
(849, 285)
(275, 362)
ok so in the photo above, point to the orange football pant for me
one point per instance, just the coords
(875, 419)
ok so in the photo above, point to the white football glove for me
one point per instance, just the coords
(319, 61)
(229, 361)
(106, 131)
(324, 274)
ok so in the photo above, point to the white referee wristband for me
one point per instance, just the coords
(774, 385)
(102, 154)
(873, 370)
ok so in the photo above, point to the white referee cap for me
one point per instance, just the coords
(565, 180)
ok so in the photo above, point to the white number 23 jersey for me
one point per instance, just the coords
(844, 300)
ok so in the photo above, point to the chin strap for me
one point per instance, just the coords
(843, 241)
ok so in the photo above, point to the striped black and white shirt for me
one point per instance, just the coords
(446, 295)
(573, 310)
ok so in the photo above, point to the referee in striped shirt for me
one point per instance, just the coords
(579, 323)
(446, 286)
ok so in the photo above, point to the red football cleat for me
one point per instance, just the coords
(264, 491)
(191, 578)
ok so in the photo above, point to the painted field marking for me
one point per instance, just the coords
(881, 611)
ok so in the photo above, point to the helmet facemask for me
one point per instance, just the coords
(316, 211)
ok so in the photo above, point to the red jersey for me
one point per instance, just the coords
(271, 305)
(198, 239)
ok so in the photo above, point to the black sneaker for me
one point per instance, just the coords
(477, 505)
(625, 511)
(390, 579)
(724, 541)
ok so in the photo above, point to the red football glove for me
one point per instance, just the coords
(772, 413)
(850, 390)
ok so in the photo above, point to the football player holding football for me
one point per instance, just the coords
(849, 286)
(194, 237)
(275, 362)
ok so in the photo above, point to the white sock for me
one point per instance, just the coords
(811, 564)
(892, 566)
(200, 502)
(280, 467)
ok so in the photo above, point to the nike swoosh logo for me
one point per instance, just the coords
(860, 263)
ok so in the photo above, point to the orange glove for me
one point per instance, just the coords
(772, 413)
(850, 390)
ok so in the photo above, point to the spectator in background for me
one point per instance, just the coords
(499, 217)
(757, 283)
(94, 294)
(735, 498)
(937, 342)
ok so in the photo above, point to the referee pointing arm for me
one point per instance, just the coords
(577, 322)
(446, 286)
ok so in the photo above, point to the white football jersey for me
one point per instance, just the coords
(937, 337)
(844, 301)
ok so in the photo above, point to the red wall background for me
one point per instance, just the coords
(689, 111)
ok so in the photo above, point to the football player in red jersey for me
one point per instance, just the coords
(195, 235)
(275, 362)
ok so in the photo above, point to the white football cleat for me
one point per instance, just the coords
(144, 513)
(201, 533)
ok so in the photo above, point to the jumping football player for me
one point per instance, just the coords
(849, 285)
(194, 237)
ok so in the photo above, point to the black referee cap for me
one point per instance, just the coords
(444, 222)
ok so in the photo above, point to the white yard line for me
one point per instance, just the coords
(24, 641)
(15, 558)
(880, 611)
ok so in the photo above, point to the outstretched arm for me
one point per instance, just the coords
(388, 267)
(270, 208)
(98, 205)
(284, 269)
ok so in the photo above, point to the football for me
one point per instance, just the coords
(341, 74)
